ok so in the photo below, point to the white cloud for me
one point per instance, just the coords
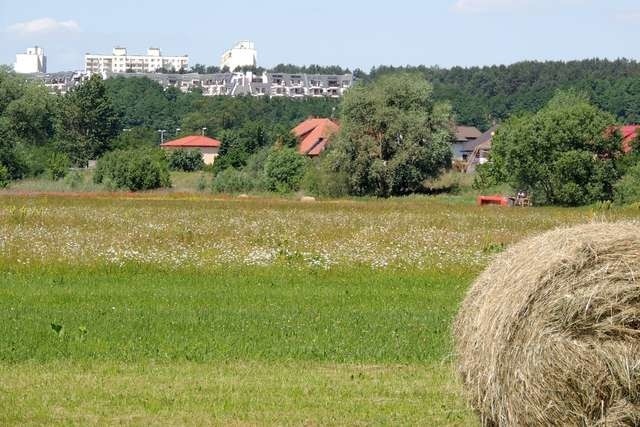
(483, 6)
(475, 6)
(43, 25)
(628, 16)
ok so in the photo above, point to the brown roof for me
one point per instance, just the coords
(193, 141)
(465, 133)
(314, 134)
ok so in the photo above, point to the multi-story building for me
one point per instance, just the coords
(267, 84)
(60, 83)
(224, 84)
(121, 62)
(243, 54)
(33, 61)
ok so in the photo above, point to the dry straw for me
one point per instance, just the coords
(549, 334)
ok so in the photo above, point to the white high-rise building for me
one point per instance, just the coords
(121, 62)
(33, 61)
(243, 54)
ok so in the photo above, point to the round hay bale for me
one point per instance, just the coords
(549, 334)
(307, 199)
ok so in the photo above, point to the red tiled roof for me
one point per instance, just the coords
(314, 135)
(628, 133)
(193, 141)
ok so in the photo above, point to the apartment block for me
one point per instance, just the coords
(243, 54)
(122, 62)
(33, 61)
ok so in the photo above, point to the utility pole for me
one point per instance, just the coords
(162, 132)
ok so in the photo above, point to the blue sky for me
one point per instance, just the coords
(349, 33)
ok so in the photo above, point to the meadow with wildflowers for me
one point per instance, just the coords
(188, 309)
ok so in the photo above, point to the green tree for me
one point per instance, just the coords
(10, 159)
(57, 166)
(31, 116)
(87, 122)
(394, 136)
(185, 160)
(284, 169)
(135, 170)
(564, 153)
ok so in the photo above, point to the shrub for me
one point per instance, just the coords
(4, 177)
(134, 170)
(627, 189)
(319, 180)
(74, 179)
(185, 160)
(232, 180)
(57, 166)
(284, 170)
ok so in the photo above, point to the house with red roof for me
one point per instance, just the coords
(314, 135)
(209, 147)
(629, 134)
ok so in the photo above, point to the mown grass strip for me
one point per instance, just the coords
(239, 393)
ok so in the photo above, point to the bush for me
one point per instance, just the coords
(57, 166)
(4, 177)
(74, 179)
(320, 181)
(232, 180)
(627, 189)
(186, 160)
(134, 170)
(284, 170)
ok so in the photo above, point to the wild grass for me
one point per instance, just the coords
(192, 309)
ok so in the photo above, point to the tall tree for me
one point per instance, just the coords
(565, 153)
(394, 136)
(87, 122)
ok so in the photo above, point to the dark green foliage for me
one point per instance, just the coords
(134, 170)
(141, 102)
(87, 122)
(57, 166)
(185, 160)
(232, 180)
(563, 153)
(137, 137)
(31, 117)
(320, 181)
(284, 170)
(309, 69)
(394, 136)
(10, 158)
(4, 176)
(481, 95)
(627, 189)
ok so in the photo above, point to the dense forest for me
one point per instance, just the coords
(482, 95)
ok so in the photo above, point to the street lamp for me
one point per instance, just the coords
(203, 129)
(162, 132)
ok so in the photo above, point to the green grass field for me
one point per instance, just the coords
(167, 309)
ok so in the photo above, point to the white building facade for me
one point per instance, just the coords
(243, 54)
(33, 61)
(121, 62)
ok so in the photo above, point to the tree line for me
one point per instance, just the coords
(396, 130)
(481, 96)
